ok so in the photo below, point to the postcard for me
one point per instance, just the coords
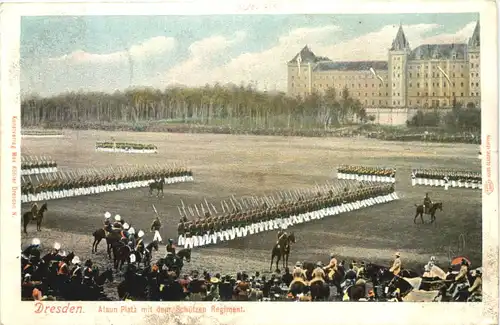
(195, 163)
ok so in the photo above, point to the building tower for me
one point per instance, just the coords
(397, 65)
(473, 56)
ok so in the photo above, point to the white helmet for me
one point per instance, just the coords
(63, 254)
(140, 234)
(57, 246)
(35, 242)
(433, 258)
(118, 218)
(131, 231)
(107, 215)
(75, 260)
(125, 226)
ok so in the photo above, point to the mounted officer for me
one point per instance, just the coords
(171, 247)
(427, 203)
(34, 210)
(281, 234)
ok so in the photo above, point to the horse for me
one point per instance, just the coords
(432, 211)
(121, 253)
(407, 273)
(148, 253)
(378, 274)
(111, 238)
(282, 250)
(320, 291)
(402, 284)
(134, 287)
(28, 217)
(92, 292)
(158, 186)
(356, 292)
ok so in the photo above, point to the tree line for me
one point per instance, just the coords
(459, 118)
(209, 105)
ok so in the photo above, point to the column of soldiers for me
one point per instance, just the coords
(92, 183)
(366, 173)
(125, 147)
(209, 229)
(36, 165)
(447, 178)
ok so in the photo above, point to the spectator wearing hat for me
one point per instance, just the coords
(461, 279)
(476, 288)
(33, 249)
(396, 265)
(332, 265)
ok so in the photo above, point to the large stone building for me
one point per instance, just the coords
(431, 75)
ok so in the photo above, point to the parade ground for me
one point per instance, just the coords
(225, 165)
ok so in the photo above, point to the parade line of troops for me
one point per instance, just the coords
(125, 147)
(446, 178)
(95, 182)
(32, 165)
(369, 174)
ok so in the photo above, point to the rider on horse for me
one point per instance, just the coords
(107, 222)
(117, 225)
(34, 210)
(318, 274)
(396, 266)
(139, 246)
(171, 246)
(281, 234)
(427, 203)
(332, 266)
(33, 249)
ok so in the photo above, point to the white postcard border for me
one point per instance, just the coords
(13, 311)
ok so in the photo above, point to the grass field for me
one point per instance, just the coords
(225, 165)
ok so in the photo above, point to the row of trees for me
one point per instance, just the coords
(209, 105)
(459, 118)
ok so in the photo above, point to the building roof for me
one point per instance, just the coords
(351, 65)
(307, 56)
(400, 42)
(475, 40)
(439, 51)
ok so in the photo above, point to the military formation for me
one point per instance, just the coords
(46, 133)
(366, 173)
(428, 137)
(95, 182)
(33, 165)
(210, 229)
(112, 146)
(447, 178)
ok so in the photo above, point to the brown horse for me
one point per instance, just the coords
(28, 217)
(432, 211)
(282, 250)
(111, 238)
(158, 186)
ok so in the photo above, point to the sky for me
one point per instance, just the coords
(109, 53)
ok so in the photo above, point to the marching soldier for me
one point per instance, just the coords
(156, 225)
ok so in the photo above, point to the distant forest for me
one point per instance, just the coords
(238, 106)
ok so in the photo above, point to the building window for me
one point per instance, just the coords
(380, 101)
(386, 85)
(427, 75)
(366, 85)
(393, 102)
(461, 84)
(433, 94)
(373, 85)
(366, 94)
(398, 94)
(373, 102)
(386, 102)
(418, 101)
(453, 74)
(398, 75)
(418, 84)
(477, 74)
(359, 94)
(444, 84)
(426, 94)
(293, 85)
(444, 94)
(410, 102)
(461, 94)
(418, 94)
(477, 84)
(453, 84)
(352, 85)
(472, 84)
(380, 94)
(462, 75)
(409, 85)
(418, 75)
(393, 85)
(399, 103)
(433, 74)
(387, 94)
(410, 74)
(472, 65)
